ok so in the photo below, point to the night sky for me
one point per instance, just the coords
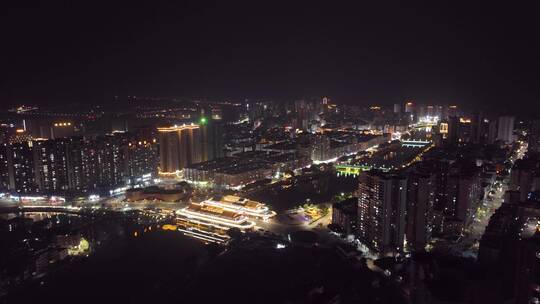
(481, 55)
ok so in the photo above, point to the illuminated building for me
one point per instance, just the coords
(463, 192)
(140, 160)
(381, 211)
(455, 189)
(472, 129)
(505, 129)
(242, 168)
(21, 168)
(228, 172)
(409, 111)
(179, 147)
(23, 109)
(210, 223)
(255, 111)
(4, 174)
(443, 128)
(245, 173)
(110, 161)
(397, 108)
(48, 128)
(465, 130)
(237, 204)
(321, 149)
(51, 165)
(409, 107)
(215, 216)
(421, 111)
(398, 155)
(440, 112)
(332, 145)
(453, 111)
(78, 165)
(21, 136)
(82, 169)
(430, 111)
(62, 129)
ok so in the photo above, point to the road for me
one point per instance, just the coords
(469, 243)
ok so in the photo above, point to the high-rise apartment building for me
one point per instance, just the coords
(491, 134)
(409, 107)
(51, 164)
(179, 146)
(110, 161)
(534, 136)
(78, 165)
(464, 192)
(82, 171)
(453, 129)
(211, 138)
(140, 158)
(302, 110)
(21, 168)
(476, 127)
(505, 129)
(397, 108)
(4, 174)
(345, 215)
(381, 211)
(527, 287)
(420, 202)
(523, 175)
(452, 111)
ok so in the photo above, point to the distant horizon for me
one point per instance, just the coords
(525, 113)
(475, 55)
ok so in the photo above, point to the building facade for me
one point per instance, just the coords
(381, 211)
(179, 147)
(420, 203)
(76, 165)
(345, 215)
(505, 129)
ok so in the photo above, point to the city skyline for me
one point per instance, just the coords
(254, 152)
(477, 55)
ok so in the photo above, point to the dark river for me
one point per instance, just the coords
(126, 261)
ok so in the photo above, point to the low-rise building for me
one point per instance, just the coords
(242, 168)
(345, 215)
